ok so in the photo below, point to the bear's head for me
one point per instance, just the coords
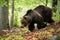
(27, 18)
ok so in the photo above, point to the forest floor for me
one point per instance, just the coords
(47, 33)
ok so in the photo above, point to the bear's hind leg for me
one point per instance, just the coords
(50, 21)
(42, 25)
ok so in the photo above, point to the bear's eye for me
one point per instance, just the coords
(25, 17)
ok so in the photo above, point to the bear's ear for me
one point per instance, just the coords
(29, 11)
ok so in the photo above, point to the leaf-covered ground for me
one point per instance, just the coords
(24, 34)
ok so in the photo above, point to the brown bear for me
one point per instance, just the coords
(39, 15)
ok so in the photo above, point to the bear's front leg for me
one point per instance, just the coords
(31, 27)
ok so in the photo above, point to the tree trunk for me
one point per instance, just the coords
(54, 5)
(46, 2)
(4, 22)
(12, 14)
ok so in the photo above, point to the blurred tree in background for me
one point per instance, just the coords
(4, 22)
(54, 5)
(12, 15)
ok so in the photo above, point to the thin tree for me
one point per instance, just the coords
(54, 5)
(46, 2)
(12, 14)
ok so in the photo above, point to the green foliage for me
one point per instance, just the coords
(3, 2)
(26, 3)
(15, 20)
(12, 37)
